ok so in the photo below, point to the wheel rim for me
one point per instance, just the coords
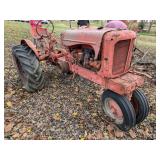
(112, 109)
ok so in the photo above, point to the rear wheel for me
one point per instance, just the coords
(140, 104)
(119, 109)
(28, 67)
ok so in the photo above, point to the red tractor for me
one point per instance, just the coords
(100, 55)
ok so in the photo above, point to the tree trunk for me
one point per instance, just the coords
(70, 24)
(150, 26)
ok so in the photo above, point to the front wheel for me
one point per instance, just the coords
(140, 104)
(119, 109)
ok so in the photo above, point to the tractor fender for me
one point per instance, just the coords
(30, 45)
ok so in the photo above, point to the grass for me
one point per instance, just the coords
(146, 41)
(148, 34)
(15, 31)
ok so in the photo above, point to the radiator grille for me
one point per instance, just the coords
(120, 56)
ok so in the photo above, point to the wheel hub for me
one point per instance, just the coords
(113, 110)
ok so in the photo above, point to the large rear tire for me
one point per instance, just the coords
(28, 67)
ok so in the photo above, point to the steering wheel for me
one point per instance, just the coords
(46, 30)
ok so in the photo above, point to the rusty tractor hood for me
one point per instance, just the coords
(90, 36)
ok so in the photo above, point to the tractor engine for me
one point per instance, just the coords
(84, 56)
